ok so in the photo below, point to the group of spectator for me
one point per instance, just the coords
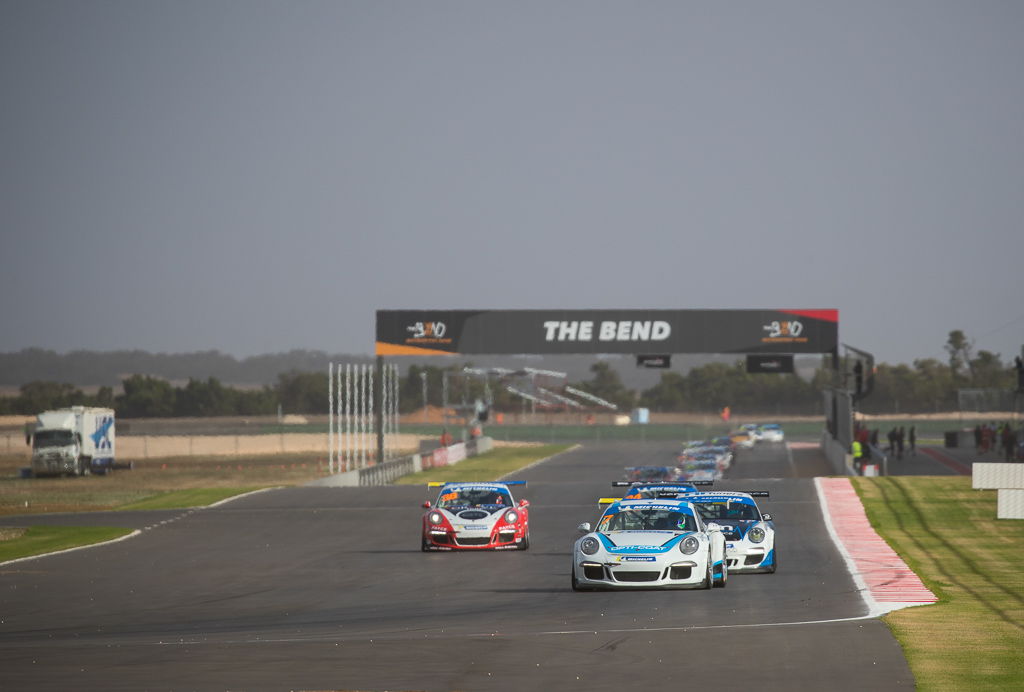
(994, 437)
(900, 440)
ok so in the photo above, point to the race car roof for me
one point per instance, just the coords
(474, 484)
(651, 503)
(747, 497)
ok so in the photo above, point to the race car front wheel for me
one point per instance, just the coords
(724, 578)
(525, 543)
(424, 545)
(775, 561)
(709, 578)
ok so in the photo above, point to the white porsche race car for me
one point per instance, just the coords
(649, 543)
(772, 432)
(749, 534)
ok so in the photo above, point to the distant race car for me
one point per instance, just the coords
(649, 544)
(658, 490)
(752, 429)
(772, 432)
(742, 439)
(749, 534)
(476, 516)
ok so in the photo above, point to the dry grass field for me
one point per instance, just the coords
(148, 478)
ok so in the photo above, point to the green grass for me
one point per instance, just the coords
(37, 540)
(973, 638)
(181, 499)
(486, 467)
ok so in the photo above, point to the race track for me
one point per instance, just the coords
(326, 589)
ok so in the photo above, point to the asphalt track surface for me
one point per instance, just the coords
(326, 589)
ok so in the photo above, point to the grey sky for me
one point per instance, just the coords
(257, 176)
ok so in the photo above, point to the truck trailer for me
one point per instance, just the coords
(74, 441)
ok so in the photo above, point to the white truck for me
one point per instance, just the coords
(75, 441)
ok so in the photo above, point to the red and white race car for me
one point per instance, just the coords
(476, 516)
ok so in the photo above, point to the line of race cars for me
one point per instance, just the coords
(710, 459)
(658, 535)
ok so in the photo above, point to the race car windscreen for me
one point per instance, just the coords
(719, 510)
(474, 497)
(648, 520)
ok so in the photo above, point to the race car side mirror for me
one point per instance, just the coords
(584, 527)
(766, 517)
(524, 503)
(713, 527)
(426, 505)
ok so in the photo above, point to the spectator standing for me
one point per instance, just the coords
(857, 449)
(1009, 443)
(977, 439)
(899, 442)
(912, 441)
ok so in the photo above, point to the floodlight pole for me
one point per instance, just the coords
(379, 396)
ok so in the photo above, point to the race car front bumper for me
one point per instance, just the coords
(682, 574)
(437, 539)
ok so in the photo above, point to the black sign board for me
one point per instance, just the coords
(759, 364)
(450, 332)
(662, 361)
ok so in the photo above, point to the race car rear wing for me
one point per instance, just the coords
(629, 484)
(438, 484)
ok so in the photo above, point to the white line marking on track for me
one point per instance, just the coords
(136, 532)
(419, 636)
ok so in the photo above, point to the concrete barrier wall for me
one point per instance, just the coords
(839, 459)
(131, 447)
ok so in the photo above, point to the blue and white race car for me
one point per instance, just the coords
(749, 534)
(649, 544)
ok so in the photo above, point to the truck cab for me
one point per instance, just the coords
(73, 441)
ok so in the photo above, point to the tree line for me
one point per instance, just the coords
(925, 386)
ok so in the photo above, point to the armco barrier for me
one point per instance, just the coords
(389, 471)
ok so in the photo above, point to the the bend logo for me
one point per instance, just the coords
(624, 330)
(784, 331)
(427, 333)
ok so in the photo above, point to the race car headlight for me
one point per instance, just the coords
(436, 518)
(756, 534)
(689, 545)
(589, 545)
(511, 516)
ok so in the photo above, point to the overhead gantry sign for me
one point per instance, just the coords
(451, 332)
